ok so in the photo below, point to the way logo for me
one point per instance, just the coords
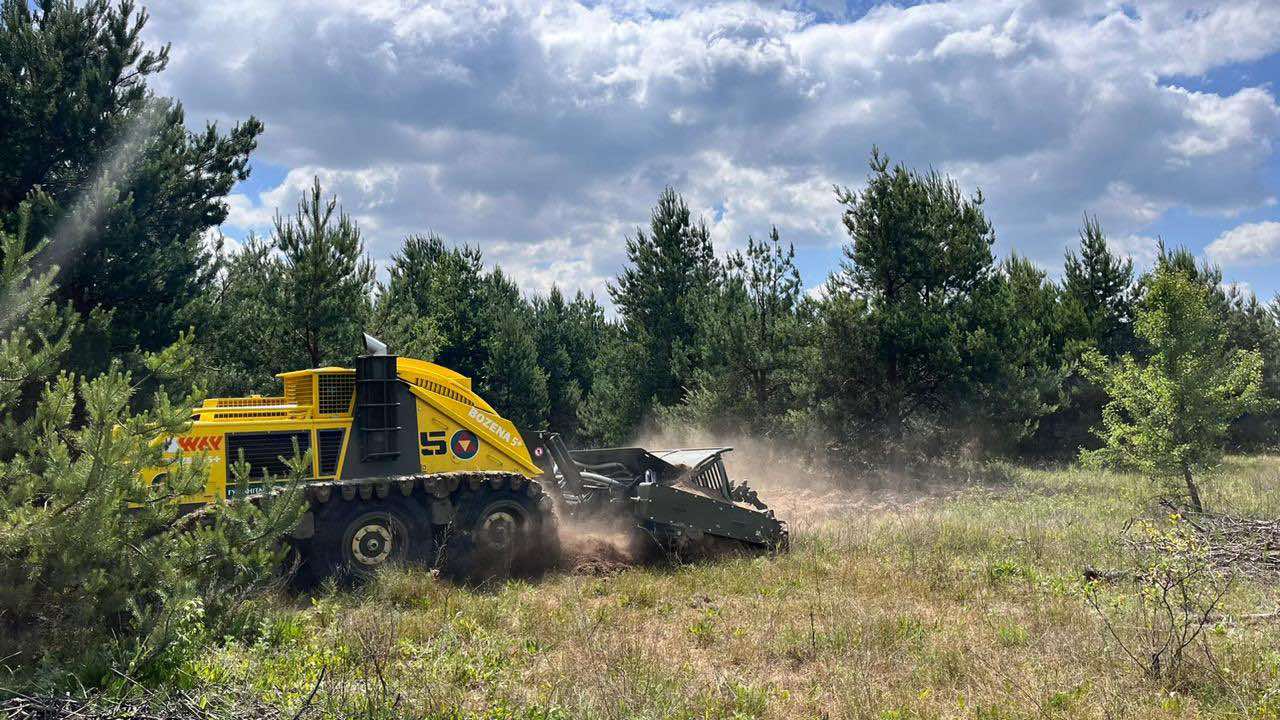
(199, 443)
(464, 444)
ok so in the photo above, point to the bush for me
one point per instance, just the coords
(1162, 622)
(100, 573)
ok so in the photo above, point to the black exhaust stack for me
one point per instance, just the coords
(377, 402)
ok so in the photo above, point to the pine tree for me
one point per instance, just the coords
(98, 570)
(759, 348)
(1254, 326)
(512, 380)
(326, 278)
(904, 341)
(297, 299)
(1097, 310)
(586, 328)
(1169, 415)
(661, 294)
(1028, 325)
(555, 343)
(112, 175)
(36, 334)
(438, 290)
(246, 340)
(439, 304)
(1098, 290)
(615, 405)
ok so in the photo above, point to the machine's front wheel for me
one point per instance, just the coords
(362, 537)
(501, 533)
(500, 526)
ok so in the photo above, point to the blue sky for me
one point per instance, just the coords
(543, 132)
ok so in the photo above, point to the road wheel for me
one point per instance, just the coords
(499, 534)
(359, 538)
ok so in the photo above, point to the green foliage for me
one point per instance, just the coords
(568, 336)
(1029, 376)
(440, 305)
(432, 300)
(920, 343)
(904, 342)
(245, 340)
(662, 294)
(1254, 326)
(511, 377)
(299, 299)
(757, 330)
(555, 341)
(36, 333)
(325, 277)
(1098, 294)
(615, 406)
(1169, 415)
(1095, 311)
(1161, 622)
(110, 171)
(98, 569)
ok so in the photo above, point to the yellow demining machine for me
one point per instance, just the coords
(408, 464)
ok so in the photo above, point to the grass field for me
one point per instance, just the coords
(945, 599)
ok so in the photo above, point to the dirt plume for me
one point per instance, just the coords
(803, 487)
(599, 549)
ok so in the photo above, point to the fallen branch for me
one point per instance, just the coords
(307, 703)
(1248, 619)
(1094, 574)
(1244, 544)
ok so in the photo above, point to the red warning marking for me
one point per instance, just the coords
(464, 444)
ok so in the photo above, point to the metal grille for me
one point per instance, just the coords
(439, 389)
(266, 452)
(336, 392)
(378, 407)
(297, 390)
(713, 477)
(248, 415)
(330, 449)
(253, 401)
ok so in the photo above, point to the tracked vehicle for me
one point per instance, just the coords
(409, 464)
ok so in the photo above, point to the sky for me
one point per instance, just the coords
(543, 132)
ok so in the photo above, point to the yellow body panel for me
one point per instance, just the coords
(457, 429)
(454, 437)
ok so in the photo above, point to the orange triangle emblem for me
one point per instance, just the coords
(465, 444)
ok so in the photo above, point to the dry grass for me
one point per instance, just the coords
(920, 600)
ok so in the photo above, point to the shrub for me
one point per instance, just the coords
(1162, 622)
(100, 573)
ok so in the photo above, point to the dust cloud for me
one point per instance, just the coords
(803, 487)
(804, 490)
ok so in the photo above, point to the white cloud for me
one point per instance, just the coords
(1247, 244)
(817, 292)
(1142, 249)
(1246, 118)
(543, 131)
(244, 214)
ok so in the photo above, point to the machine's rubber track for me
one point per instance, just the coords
(436, 485)
(478, 525)
(424, 519)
